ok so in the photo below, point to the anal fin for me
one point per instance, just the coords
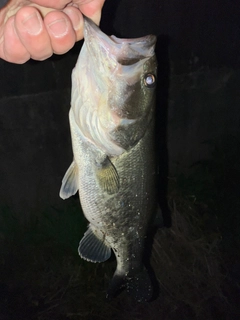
(93, 246)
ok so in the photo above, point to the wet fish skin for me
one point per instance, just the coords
(112, 127)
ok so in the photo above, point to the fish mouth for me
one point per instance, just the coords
(125, 52)
(109, 96)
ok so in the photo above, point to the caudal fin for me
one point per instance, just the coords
(138, 285)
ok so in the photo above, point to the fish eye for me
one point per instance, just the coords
(149, 80)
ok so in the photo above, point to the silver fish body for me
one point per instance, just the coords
(112, 129)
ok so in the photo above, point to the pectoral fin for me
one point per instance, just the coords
(70, 182)
(93, 246)
(107, 175)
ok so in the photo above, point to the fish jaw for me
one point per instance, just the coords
(109, 96)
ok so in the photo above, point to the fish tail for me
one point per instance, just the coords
(139, 285)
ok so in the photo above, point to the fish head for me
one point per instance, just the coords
(119, 85)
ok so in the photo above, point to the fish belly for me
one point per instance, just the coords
(122, 217)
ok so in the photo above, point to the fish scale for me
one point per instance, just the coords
(113, 165)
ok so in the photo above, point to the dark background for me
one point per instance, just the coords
(197, 98)
(198, 124)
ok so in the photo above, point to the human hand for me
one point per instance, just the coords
(36, 29)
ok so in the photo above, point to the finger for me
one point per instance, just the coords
(11, 48)
(56, 4)
(76, 19)
(61, 32)
(32, 33)
(91, 9)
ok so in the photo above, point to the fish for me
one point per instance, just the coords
(114, 164)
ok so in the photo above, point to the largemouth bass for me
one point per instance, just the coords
(112, 130)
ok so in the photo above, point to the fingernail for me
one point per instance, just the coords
(58, 28)
(74, 16)
(32, 24)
